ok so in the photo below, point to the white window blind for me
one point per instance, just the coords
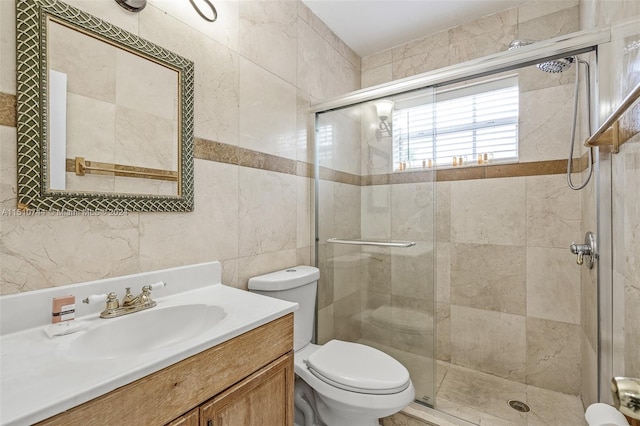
(466, 121)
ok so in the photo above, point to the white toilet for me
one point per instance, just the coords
(338, 383)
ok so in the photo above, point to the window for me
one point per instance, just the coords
(464, 122)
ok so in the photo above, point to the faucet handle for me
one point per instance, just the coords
(157, 285)
(95, 298)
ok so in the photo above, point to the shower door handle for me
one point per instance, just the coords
(378, 243)
(588, 250)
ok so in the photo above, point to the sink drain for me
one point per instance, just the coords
(519, 406)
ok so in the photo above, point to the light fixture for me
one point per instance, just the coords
(138, 5)
(383, 109)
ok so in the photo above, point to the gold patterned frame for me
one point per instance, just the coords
(31, 35)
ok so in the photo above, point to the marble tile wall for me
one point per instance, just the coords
(249, 96)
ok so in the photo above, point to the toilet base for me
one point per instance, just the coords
(310, 404)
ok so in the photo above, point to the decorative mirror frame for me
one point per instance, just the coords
(32, 109)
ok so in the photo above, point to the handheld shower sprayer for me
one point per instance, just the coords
(559, 65)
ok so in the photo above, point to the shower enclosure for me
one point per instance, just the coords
(437, 235)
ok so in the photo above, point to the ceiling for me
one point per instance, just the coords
(370, 26)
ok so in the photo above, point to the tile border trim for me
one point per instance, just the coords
(220, 152)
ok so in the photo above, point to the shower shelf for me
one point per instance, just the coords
(379, 243)
(610, 133)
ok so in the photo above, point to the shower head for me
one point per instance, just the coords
(553, 66)
(556, 65)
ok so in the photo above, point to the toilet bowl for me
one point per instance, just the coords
(338, 383)
(379, 389)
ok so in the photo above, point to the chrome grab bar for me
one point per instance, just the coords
(378, 243)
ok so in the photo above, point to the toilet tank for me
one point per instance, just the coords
(298, 284)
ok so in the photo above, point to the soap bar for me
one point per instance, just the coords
(64, 309)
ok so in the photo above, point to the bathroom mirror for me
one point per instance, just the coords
(105, 118)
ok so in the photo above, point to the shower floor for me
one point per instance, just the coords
(481, 399)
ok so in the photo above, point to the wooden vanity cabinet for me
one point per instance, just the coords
(261, 399)
(246, 381)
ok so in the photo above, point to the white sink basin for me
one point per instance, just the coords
(145, 331)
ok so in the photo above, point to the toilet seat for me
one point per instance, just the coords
(358, 368)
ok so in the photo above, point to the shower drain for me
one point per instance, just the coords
(519, 406)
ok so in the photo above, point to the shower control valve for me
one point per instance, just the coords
(588, 250)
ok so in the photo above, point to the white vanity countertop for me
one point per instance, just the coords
(39, 377)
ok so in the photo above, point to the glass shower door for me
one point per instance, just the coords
(375, 217)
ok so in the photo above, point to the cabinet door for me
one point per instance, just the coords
(192, 418)
(263, 399)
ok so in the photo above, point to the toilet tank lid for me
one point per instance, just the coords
(286, 279)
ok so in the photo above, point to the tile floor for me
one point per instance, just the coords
(481, 399)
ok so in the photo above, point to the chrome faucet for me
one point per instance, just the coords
(129, 304)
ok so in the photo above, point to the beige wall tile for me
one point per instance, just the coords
(553, 355)
(209, 233)
(325, 317)
(313, 50)
(413, 211)
(305, 217)
(553, 285)
(265, 25)
(377, 59)
(443, 332)
(553, 212)
(589, 304)
(488, 211)
(551, 25)
(268, 112)
(346, 319)
(589, 372)
(378, 75)
(226, 29)
(412, 271)
(305, 126)
(465, 48)
(376, 270)
(267, 212)
(216, 74)
(347, 209)
(412, 65)
(376, 211)
(422, 45)
(484, 25)
(544, 127)
(326, 281)
(443, 211)
(489, 277)
(539, 8)
(443, 272)
(230, 272)
(489, 341)
(109, 247)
